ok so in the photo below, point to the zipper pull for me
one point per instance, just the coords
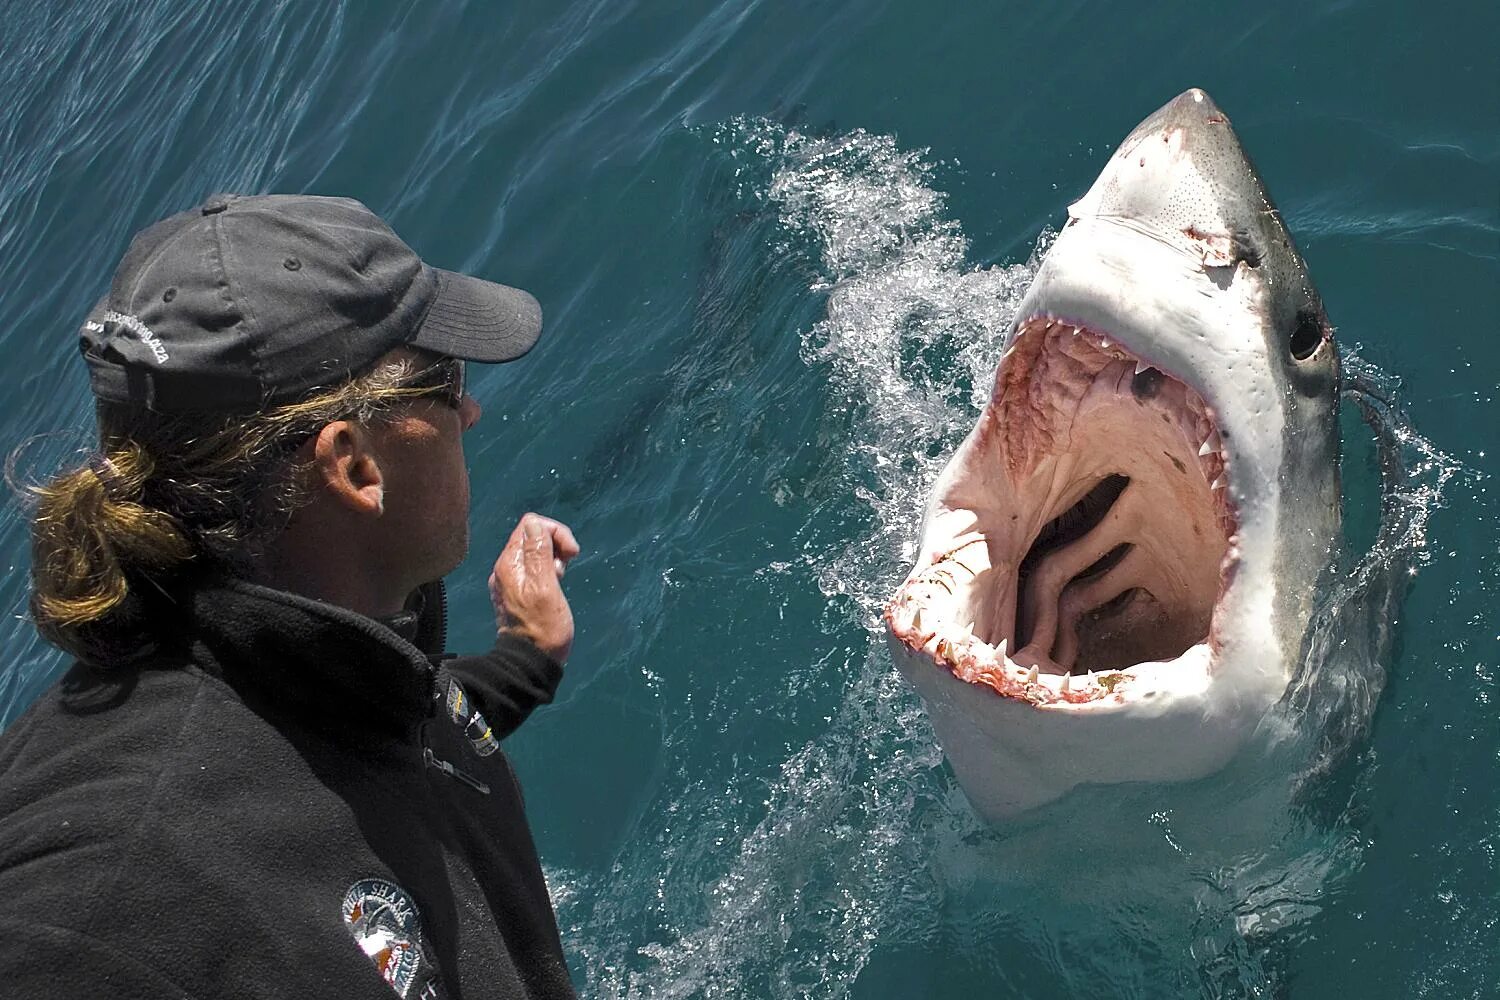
(433, 760)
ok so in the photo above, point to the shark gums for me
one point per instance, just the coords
(1118, 565)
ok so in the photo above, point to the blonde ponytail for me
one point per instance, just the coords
(169, 493)
(90, 531)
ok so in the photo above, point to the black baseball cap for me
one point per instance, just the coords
(250, 301)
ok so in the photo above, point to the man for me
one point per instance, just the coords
(262, 777)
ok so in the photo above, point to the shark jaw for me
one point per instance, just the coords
(1118, 564)
(1082, 536)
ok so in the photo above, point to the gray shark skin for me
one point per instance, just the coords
(1118, 565)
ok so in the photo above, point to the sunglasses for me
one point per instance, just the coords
(444, 379)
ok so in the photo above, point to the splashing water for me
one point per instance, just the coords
(829, 868)
(911, 334)
(1332, 696)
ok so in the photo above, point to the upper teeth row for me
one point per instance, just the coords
(1210, 446)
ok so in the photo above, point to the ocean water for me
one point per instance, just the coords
(777, 244)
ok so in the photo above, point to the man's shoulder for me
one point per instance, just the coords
(92, 726)
(79, 770)
(102, 763)
(153, 820)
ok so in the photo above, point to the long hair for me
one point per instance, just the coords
(169, 495)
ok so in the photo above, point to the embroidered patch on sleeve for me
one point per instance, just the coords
(481, 737)
(384, 922)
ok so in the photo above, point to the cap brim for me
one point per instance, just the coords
(479, 320)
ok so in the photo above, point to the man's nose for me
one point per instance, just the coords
(470, 411)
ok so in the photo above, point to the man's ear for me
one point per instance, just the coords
(347, 468)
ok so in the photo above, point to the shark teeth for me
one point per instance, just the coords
(1219, 483)
(1141, 366)
(1211, 446)
(956, 647)
(972, 523)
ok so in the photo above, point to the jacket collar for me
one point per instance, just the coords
(332, 669)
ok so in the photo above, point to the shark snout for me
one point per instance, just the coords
(1183, 177)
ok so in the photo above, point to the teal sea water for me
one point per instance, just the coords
(777, 244)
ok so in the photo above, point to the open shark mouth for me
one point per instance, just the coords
(1081, 539)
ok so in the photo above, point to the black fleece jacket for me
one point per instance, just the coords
(292, 802)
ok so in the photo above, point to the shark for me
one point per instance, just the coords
(1118, 565)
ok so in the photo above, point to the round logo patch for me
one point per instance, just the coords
(385, 924)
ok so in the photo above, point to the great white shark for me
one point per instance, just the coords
(1118, 565)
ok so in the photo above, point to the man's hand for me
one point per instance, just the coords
(526, 587)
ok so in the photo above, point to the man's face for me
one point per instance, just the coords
(426, 522)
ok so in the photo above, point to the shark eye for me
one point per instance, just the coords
(1307, 336)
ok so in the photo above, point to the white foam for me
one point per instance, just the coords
(911, 333)
(828, 857)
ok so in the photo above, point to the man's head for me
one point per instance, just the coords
(384, 498)
(280, 386)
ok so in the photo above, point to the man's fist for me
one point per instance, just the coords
(526, 586)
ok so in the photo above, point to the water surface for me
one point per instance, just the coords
(777, 245)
